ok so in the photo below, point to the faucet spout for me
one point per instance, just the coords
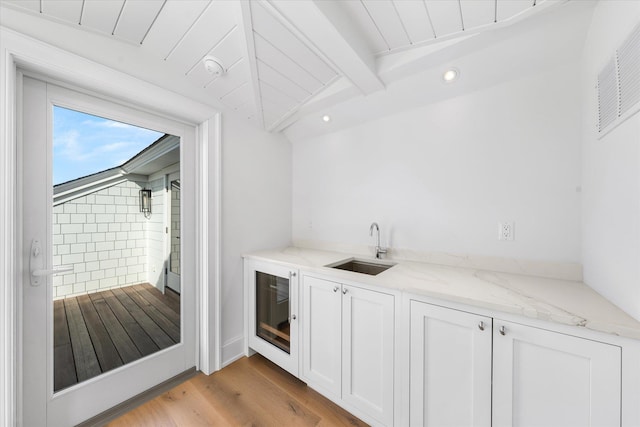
(379, 249)
(374, 225)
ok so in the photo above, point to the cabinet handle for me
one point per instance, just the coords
(344, 291)
(292, 274)
(335, 288)
(481, 326)
(293, 316)
(503, 330)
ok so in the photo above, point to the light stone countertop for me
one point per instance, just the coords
(560, 301)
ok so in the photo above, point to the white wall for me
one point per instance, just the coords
(256, 213)
(440, 177)
(103, 235)
(611, 172)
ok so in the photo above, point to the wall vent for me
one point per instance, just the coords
(607, 96)
(619, 85)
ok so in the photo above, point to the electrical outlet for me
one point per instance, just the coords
(506, 231)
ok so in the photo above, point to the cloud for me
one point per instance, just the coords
(67, 144)
(113, 147)
(85, 144)
(72, 146)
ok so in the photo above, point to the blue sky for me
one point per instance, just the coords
(84, 144)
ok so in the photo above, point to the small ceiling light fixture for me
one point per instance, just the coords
(213, 66)
(450, 75)
(326, 118)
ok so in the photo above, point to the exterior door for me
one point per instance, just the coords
(41, 404)
(450, 367)
(173, 232)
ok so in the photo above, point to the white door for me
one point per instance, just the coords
(544, 378)
(321, 319)
(173, 231)
(450, 366)
(40, 404)
(367, 352)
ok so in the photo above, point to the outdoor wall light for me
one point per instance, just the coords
(145, 201)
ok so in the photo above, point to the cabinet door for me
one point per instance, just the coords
(321, 334)
(368, 346)
(450, 367)
(544, 378)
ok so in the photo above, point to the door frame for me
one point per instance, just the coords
(168, 244)
(66, 69)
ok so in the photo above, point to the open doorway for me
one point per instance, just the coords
(115, 210)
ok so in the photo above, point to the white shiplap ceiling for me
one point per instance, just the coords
(279, 55)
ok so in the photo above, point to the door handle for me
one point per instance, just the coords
(53, 271)
(36, 263)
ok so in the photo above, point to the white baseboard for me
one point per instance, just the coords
(232, 350)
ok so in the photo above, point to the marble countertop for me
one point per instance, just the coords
(560, 301)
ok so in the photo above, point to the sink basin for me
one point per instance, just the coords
(371, 268)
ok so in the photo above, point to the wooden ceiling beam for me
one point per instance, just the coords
(326, 27)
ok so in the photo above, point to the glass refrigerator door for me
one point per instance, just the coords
(272, 310)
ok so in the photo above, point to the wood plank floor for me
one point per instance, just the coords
(101, 331)
(250, 392)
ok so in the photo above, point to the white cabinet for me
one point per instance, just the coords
(322, 334)
(272, 312)
(544, 378)
(540, 377)
(367, 351)
(450, 366)
(439, 366)
(348, 346)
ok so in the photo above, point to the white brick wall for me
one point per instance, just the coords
(104, 236)
(156, 233)
(175, 231)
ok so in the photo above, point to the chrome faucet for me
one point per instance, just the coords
(380, 251)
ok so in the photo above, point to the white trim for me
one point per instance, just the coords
(210, 155)
(162, 173)
(9, 403)
(203, 211)
(153, 152)
(215, 216)
(233, 350)
(68, 69)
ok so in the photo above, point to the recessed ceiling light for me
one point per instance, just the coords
(450, 75)
(326, 118)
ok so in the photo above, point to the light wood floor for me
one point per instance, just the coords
(249, 392)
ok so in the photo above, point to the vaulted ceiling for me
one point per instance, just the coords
(282, 58)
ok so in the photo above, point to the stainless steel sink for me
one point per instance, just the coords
(371, 268)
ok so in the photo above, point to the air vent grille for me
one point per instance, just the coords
(607, 96)
(629, 71)
(619, 84)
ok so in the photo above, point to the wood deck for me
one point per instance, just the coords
(101, 331)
